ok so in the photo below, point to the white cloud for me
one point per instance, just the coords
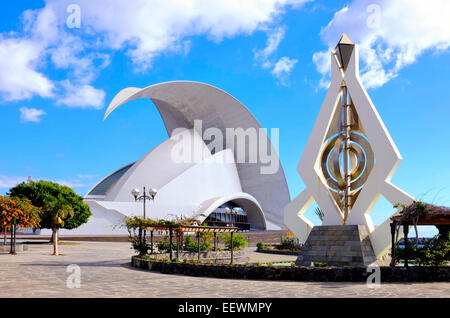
(19, 77)
(283, 68)
(7, 182)
(72, 183)
(144, 29)
(147, 28)
(87, 176)
(80, 181)
(390, 34)
(21, 57)
(83, 96)
(274, 38)
(323, 64)
(30, 114)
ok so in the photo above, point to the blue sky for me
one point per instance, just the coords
(56, 81)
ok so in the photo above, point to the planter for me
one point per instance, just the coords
(217, 257)
(316, 274)
(279, 252)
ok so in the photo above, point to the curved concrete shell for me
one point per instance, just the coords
(193, 188)
(182, 102)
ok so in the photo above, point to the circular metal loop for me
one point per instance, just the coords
(369, 160)
(361, 162)
(336, 153)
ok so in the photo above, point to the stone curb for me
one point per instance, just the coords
(316, 274)
(277, 252)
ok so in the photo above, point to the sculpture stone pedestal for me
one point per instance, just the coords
(338, 245)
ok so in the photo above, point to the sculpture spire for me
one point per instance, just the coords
(344, 50)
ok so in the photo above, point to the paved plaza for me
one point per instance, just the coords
(105, 272)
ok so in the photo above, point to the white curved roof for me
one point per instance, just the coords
(102, 188)
(182, 102)
(188, 190)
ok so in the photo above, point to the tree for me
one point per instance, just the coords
(59, 209)
(43, 193)
(17, 212)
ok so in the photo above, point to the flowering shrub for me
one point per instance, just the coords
(16, 211)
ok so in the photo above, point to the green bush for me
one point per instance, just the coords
(435, 252)
(139, 245)
(205, 246)
(260, 245)
(165, 246)
(290, 243)
(191, 245)
(239, 241)
(320, 264)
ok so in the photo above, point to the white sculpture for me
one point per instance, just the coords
(349, 158)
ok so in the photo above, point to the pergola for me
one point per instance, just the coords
(193, 229)
(438, 216)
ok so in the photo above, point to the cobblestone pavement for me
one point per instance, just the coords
(105, 273)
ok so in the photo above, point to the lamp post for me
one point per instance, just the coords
(227, 212)
(235, 211)
(150, 196)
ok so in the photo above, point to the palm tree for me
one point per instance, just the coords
(59, 210)
(318, 211)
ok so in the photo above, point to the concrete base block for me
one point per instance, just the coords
(19, 247)
(338, 245)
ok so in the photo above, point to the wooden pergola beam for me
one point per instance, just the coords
(425, 220)
(193, 228)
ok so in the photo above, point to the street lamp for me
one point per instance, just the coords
(227, 212)
(150, 196)
(235, 211)
(135, 193)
